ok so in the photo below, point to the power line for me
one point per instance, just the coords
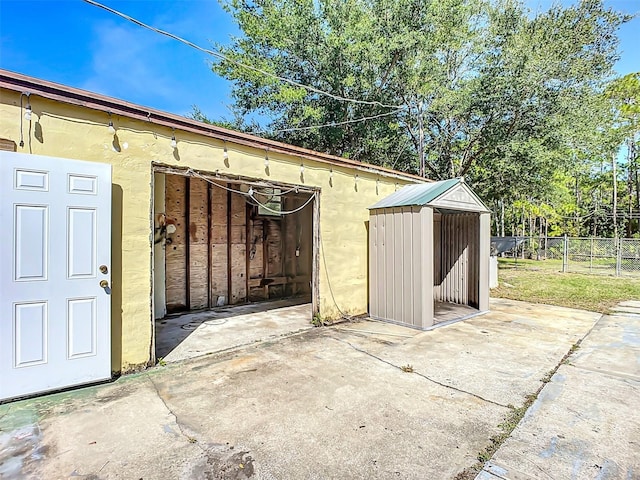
(240, 64)
(330, 124)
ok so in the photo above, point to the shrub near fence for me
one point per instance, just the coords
(608, 256)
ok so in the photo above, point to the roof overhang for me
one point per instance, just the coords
(53, 91)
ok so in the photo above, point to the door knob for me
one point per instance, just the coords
(104, 269)
(104, 283)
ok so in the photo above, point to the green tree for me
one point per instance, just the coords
(624, 96)
(458, 87)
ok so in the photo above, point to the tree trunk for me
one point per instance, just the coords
(502, 217)
(421, 140)
(524, 231)
(546, 237)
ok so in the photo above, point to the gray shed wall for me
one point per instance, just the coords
(418, 256)
(401, 265)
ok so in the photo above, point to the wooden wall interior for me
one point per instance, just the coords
(224, 252)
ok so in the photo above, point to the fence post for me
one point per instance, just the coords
(565, 255)
(591, 256)
(618, 245)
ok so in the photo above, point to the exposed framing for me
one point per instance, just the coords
(231, 182)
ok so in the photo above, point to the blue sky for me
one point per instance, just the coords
(76, 44)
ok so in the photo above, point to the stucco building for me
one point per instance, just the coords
(159, 213)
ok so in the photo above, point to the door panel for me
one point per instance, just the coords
(30, 239)
(81, 246)
(81, 327)
(55, 317)
(30, 327)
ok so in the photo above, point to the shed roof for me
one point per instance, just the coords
(451, 194)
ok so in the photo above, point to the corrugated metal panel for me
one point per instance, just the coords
(407, 272)
(418, 253)
(483, 264)
(416, 195)
(401, 240)
(437, 255)
(373, 262)
(456, 259)
(389, 249)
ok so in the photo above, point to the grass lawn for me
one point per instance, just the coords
(597, 293)
(552, 265)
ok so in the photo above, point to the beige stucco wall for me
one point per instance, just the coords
(61, 130)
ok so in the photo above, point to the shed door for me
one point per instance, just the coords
(55, 317)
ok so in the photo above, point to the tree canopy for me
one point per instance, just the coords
(478, 88)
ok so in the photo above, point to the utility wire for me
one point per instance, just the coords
(331, 124)
(280, 212)
(250, 193)
(243, 65)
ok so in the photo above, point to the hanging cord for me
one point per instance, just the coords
(249, 194)
(21, 106)
(240, 192)
(311, 198)
(326, 272)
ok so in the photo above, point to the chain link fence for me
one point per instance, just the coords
(607, 256)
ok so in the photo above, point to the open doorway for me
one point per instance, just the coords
(456, 250)
(230, 249)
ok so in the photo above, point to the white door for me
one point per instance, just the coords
(55, 250)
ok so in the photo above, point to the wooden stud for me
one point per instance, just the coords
(247, 250)
(187, 206)
(209, 223)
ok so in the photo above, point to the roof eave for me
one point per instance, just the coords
(54, 91)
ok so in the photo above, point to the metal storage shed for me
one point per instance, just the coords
(429, 254)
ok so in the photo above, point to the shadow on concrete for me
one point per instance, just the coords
(188, 335)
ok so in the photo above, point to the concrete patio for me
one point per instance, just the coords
(586, 421)
(357, 400)
(190, 335)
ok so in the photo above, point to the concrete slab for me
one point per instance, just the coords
(200, 333)
(586, 420)
(515, 345)
(448, 312)
(330, 402)
(630, 303)
(620, 309)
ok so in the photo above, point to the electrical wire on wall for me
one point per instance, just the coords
(250, 194)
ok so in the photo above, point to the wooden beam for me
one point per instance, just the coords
(228, 245)
(187, 206)
(247, 251)
(209, 281)
(265, 257)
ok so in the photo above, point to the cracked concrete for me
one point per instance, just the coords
(410, 369)
(327, 403)
(586, 422)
